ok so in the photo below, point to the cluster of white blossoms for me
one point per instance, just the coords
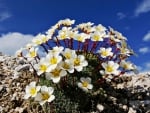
(41, 94)
(63, 51)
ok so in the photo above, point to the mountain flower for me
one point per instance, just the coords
(63, 34)
(67, 65)
(56, 50)
(66, 22)
(105, 52)
(45, 95)
(127, 65)
(69, 53)
(111, 68)
(42, 67)
(31, 90)
(56, 74)
(97, 36)
(85, 83)
(81, 37)
(32, 53)
(100, 28)
(79, 62)
(53, 60)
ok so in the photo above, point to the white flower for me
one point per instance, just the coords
(69, 53)
(81, 37)
(67, 65)
(37, 41)
(32, 53)
(125, 51)
(85, 83)
(111, 68)
(116, 36)
(31, 90)
(46, 95)
(51, 31)
(72, 33)
(127, 65)
(98, 36)
(105, 52)
(56, 50)
(100, 28)
(42, 66)
(66, 22)
(79, 62)
(86, 27)
(63, 34)
(56, 74)
(53, 60)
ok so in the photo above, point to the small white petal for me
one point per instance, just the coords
(63, 73)
(42, 102)
(44, 89)
(26, 96)
(80, 85)
(52, 97)
(56, 80)
(82, 79)
(90, 86)
(32, 84)
(50, 90)
(88, 79)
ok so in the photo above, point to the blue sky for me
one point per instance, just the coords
(21, 20)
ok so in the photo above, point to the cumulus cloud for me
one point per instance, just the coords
(147, 37)
(146, 67)
(144, 50)
(4, 15)
(11, 42)
(121, 15)
(143, 7)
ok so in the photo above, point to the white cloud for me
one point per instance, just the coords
(121, 15)
(143, 7)
(144, 50)
(4, 15)
(11, 42)
(147, 37)
(146, 67)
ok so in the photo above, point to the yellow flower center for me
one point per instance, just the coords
(68, 55)
(53, 60)
(109, 69)
(125, 66)
(77, 62)
(63, 35)
(66, 66)
(96, 37)
(104, 53)
(56, 73)
(32, 91)
(45, 96)
(43, 67)
(32, 53)
(44, 39)
(84, 84)
(80, 38)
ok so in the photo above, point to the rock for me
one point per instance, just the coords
(23, 67)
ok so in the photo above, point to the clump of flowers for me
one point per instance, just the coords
(74, 56)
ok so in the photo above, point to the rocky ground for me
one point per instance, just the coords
(127, 94)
